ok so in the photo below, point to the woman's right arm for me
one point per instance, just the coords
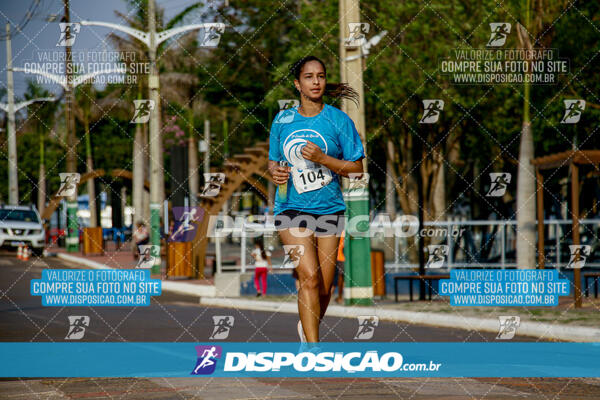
(280, 174)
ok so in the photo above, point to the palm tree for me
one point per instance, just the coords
(140, 141)
(180, 86)
(526, 174)
(42, 117)
(526, 186)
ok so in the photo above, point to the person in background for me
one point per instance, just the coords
(339, 276)
(140, 237)
(262, 260)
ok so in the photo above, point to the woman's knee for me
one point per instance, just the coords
(310, 282)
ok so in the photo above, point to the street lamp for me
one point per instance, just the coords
(68, 85)
(18, 106)
(12, 109)
(152, 40)
(366, 45)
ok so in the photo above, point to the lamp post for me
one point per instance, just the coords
(68, 85)
(152, 40)
(358, 287)
(12, 109)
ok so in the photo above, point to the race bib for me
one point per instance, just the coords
(308, 179)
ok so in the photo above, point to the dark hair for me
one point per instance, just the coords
(335, 90)
(260, 244)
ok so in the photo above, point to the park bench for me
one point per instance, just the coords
(591, 275)
(411, 278)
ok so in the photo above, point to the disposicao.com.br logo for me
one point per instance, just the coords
(324, 362)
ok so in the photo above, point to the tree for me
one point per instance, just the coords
(41, 117)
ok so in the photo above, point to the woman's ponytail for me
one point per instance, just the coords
(341, 90)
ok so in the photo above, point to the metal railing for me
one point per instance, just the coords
(496, 237)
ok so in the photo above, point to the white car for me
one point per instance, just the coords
(21, 225)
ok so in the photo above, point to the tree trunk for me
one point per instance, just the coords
(390, 189)
(390, 198)
(193, 164)
(41, 195)
(161, 160)
(407, 191)
(139, 161)
(89, 167)
(526, 185)
(439, 191)
(439, 195)
(526, 245)
(146, 174)
(123, 195)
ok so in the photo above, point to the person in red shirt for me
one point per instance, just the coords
(262, 260)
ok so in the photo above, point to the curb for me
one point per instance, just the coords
(188, 289)
(535, 329)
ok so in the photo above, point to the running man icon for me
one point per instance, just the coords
(573, 110)
(366, 326)
(185, 225)
(212, 184)
(212, 36)
(293, 253)
(207, 359)
(77, 325)
(142, 110)
(508, 326)
(68, 33)
(223, 325)
(68, 184)
(431, 111)
(579, 254)
(357, 32)
(500, 31)
(148, 255)
(500, 181)
(286, 111)
(437, 255)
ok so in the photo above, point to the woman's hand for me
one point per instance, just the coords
(280, 174)
(312, 152)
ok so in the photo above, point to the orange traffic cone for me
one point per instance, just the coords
(20, 252)
(26, 253)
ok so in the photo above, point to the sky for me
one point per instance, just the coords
(40, 37)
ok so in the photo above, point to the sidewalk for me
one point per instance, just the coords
(424, 313)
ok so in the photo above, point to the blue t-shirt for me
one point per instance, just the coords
(334, 132)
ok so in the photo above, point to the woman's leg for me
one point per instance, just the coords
(263, 276)
(327, 247)
(309, 278)
(340, 272)
(256, 273)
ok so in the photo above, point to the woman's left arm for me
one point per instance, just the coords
(314, 153)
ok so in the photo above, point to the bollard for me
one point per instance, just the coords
(358, 287)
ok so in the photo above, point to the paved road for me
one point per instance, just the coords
(173, 318)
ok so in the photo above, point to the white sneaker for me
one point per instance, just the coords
(301, 332)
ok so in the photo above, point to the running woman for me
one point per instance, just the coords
(319, 143)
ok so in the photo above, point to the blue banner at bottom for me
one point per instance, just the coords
(225, 359)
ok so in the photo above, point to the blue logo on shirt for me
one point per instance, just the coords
(292, 147)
